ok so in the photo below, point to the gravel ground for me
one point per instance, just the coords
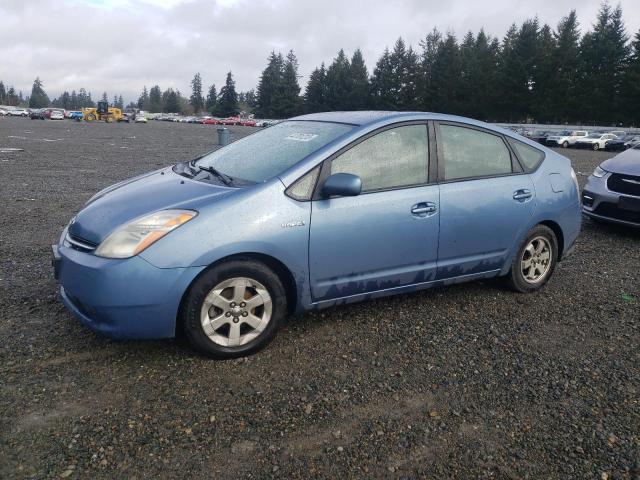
(471, 381)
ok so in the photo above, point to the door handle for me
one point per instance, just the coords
(522, 195)
(423, 209)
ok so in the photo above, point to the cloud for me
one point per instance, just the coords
(118, 46)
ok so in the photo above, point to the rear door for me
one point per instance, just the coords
(486, 200)
(386, 237)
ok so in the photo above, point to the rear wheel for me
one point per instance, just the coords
(535, 261)
(596, 147)
(234, 309)
(565, 144)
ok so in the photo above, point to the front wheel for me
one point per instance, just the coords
(234, 309)
(565, 144)
(596, 147)
(535, 261)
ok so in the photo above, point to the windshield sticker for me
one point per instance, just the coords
(301, 137)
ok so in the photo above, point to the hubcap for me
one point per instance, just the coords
(536, 260)
(236, 311)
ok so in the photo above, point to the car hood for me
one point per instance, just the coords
(626, 163)
(128, 200)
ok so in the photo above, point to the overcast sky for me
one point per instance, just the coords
(118, 46)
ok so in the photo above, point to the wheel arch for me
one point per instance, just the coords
(278, 267)
(557, 230)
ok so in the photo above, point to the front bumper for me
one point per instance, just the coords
(124, 299)
(600, 203)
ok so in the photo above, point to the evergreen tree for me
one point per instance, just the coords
(288, 100)
(105, 98)
(115, 101)
(12, 98)
(359, 95)
(156, 101)
(429, 47)
(143, 100)
(38, 98)
(74, 100)
(315, 95)
(212, 99)
(631, 84)
(383, 83)
(170, 101)
(269, 86)
(196, 100)
(563, 96)
(544, 77)
(120, 103)
(603, 54)
(228, 100)
(338, 83)
(446, 74)
(3, 94)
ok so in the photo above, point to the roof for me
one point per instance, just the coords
(359, 117)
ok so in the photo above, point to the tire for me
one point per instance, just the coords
(565, 144)
(210, 330)
(523, 279)
(596, 147)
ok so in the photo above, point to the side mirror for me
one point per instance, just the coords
(342, 185)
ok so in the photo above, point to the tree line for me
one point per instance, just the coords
(535, 73)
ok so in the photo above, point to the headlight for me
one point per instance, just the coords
(134, 237)
(598, 172)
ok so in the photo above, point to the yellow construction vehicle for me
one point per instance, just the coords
(103, 112)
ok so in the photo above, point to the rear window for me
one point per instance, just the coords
(269, 152)
(530, 157)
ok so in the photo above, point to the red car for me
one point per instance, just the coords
(248, 123)
(211, 121)
(231, 121)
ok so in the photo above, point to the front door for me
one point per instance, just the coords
(386, 237)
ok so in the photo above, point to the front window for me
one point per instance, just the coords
(269, 152)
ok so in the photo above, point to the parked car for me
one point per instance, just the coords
(539, 136)
(75, 115)
(622, 143)
(612, 192)
(211, 121)
(18, 112)
(55, 114)
(140, 118)
(318, 210)
(247, 122)
(3, 112)
(594, 141)
(566, 138)
(230, 121)
(37, 114)
(618, 133)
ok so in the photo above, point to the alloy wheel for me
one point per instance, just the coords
(536, 260)
(236, 311)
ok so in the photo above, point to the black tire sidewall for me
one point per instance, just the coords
(192, 304)
(516, 279)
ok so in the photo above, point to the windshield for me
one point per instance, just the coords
(594, 135)
(271, 151)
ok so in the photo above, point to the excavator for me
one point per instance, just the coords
(103, 112)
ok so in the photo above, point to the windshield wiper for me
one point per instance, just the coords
(226, 179)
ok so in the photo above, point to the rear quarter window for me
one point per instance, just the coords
(530, 157)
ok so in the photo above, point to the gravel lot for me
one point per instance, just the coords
(471, 381)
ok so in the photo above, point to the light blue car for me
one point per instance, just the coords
(315, 211)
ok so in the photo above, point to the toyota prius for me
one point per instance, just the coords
(318, 210)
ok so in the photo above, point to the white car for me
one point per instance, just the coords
(566, 138)
(18, 112)
(3, 112)
(595, 141)
(56, 114)
(140, 118)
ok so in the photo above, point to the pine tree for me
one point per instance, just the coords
(382, 83)
(315, 95)
(120, 102)
(446, 74)
(3, 94)
(105, 97)
(359, 95)
(288, 100)
(212, 99)
(269, 86)
(196, 100)
(156, 101)
(603, 54)
(544, 77)
(563, 94)
(228, 100)
(429, 46)
(12, 98)
(338, 83)
(631, 84)
(170, 101)
(38, 98)
(74, 100)
(143, 100)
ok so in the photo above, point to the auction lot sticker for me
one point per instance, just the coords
(301, 137)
